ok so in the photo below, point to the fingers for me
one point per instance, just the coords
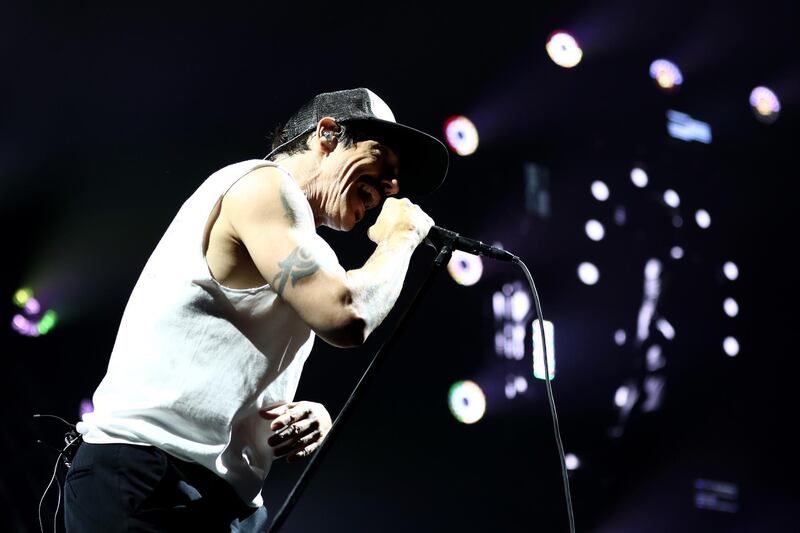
(286, 415)
(290, 434)
(305, 452)
(301, 447)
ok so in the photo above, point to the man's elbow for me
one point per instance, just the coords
(352, 331)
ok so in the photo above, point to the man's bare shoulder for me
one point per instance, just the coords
(267, 194)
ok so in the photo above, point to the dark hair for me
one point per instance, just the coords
(348, 135)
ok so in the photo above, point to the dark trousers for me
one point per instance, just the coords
(127, 488)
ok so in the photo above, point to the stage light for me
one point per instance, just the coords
(765, 104)
(588, 273)
(32, 306)
(620, 216)
(86, 407)
(666, 329)
(676, 252)
(595, 230)
(600, 190)
(520, 305)
(639, 177)
(677, 221)
(652, 269)
(716, 495)
(655, 358)
(654, 393)
(466, 269)
(620, 337)
(731, 346)
(671, 198)
(730, 270)
(702, 218)
(538, 351)
(47, 321)
(515, 385)
(572, 461)
(22, 296)
(682, 126)
(461, 135)
(563, 49)
(23, 326)
(666, 73)
(622, 395)
(467, 401)
(731, 307)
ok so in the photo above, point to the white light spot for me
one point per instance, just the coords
(639, 177)
(665, 328)
(731, 307)
(676, 252)
(620, 337)
(520, 305)
(466, 269)
(595, 230)
(521, 384)
(466, 401)
(563, 49)
(671, 198)
(731, 270)
(621, 396)
(765, 104)
(600, 190)
(499, 305)
(702, 218)
(666, 73)
(572, 461)
(588, 273)
(461, 135)
(731, 346)
(655, 358)
(652, 269)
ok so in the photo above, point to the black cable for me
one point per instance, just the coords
(548, 386)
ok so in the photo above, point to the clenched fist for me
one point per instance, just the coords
(400, 216)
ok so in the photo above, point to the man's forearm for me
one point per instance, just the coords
(376, 286)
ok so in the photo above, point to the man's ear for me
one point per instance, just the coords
(328, 134)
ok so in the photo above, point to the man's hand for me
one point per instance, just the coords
(299, 428)
(400, 216)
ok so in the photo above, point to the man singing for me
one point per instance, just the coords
(198, 398)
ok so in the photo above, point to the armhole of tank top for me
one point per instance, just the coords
(261, 164)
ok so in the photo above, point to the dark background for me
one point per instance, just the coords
(113, 116)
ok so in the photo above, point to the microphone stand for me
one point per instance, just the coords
(444, 249)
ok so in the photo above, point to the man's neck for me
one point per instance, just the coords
(304, 168)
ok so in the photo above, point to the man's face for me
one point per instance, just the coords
(362, 176)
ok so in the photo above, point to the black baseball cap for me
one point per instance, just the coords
(423, 158)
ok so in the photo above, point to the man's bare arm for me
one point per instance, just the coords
(270, 216)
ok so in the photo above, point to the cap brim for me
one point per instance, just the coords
(424, 159)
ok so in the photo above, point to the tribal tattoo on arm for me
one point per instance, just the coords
(298, 265)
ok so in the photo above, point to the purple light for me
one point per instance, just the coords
(86, 407)
(32, 306)
(20, 324)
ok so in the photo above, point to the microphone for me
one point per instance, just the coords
(438, 237)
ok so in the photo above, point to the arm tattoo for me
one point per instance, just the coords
(298, 265)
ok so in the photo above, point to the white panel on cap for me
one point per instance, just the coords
(380, 108)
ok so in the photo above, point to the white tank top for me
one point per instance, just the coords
(194, 361)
